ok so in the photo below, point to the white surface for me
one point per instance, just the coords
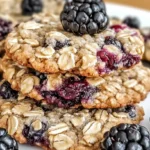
(122, 11)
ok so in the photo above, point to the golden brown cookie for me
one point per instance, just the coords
(72, 129)
(69, 90)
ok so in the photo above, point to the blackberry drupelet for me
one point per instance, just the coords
(6, 141)
(6, 92)
(132, 22)
(5, 28)
(84, 16)
(31, 6)
(126, 137)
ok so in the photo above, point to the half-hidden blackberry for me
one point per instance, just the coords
(84, 16)
(31, 6)
(132, 22)
(6, 141)
(126, 137)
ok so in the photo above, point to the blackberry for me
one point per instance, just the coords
(132, 22)
(5, 28)
(31, 6)
(126, 137)
(84, 16)
(6, 92)
(6, 141)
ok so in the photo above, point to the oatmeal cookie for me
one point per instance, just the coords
(72, 129)
(146, 33)
(69, 90)
(46, 47)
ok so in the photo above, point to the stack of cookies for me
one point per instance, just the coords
(69, 78)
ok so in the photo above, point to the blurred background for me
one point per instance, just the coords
(145, 4)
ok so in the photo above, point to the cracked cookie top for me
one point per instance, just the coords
(43, 45)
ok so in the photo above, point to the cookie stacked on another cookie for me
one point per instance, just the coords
(69, 78)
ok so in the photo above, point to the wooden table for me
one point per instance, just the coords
(145, 4)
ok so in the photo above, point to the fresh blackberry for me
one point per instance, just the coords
(84, 16)
(126, 137)
(6, 141)
(31, 6)
(132, 22)
(5, 28)
(6, 92)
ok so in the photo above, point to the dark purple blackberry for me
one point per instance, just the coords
(33, 136)
(6, 92)
(6, 141)
(84, 17)
(132, 22)
(72, 92)
(111, 41)
(126, 137)
(5, 28)
(31, 6)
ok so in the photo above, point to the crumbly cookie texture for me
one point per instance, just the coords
(55, 129)
(146, 33)
(69, 90)
(43, 45)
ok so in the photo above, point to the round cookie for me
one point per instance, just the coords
(69, 90)
(146, 33)
(78, 129)
(7, 23)
(46, 47)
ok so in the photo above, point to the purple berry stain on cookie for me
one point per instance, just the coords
(73, 91)
(5, 28)
(35, 136)
(118, 27)
(111, 60)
